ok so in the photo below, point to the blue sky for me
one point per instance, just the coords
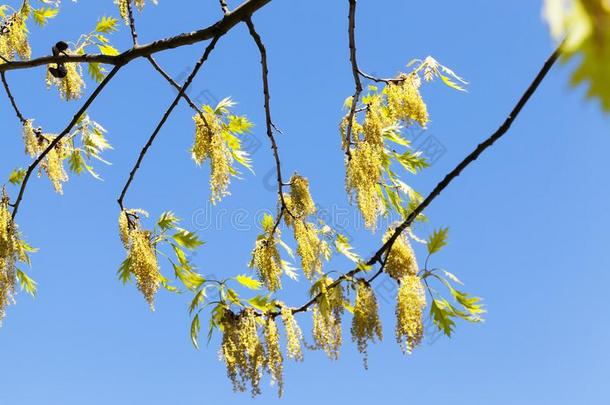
(528, 220)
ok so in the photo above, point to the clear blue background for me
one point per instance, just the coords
(528, 220)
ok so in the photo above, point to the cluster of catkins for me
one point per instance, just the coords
(141, 254)
(251, 346)
(123, 4)
(401, 265)
(14, 37)
(311, 249)
(70, 83)
(11, 251)
(400, 102)
(210, 144)
(53, 163)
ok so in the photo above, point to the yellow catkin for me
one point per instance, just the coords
(405, 102)
(123, 11)
(210, 144)
(401, 261)
(8, 255)
(30, 140)
(327, 313)
(274, 358)
(410, 305)
(143, 264)
(71, 86)
(309, 248)
(267, 262)
(366, 325)
(302, 204)
(53, 166)
(124, 228)
(355, 134)
(363, 175)
(375, 122)
(294, 336)
(242, 351)
(14, 42)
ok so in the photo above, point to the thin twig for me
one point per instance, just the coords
(64, 133)
(482, 147)
(221, 27)
(224, 7)
(132, 24)
(175, 85)
(355, 73)
(12, 99)
(165, 117)
(269, 122)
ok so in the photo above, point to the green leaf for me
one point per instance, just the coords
(441, 316)
(195, 328)
(42, 14)
(26, 282)
(167, 220)
(107, 25)
(187, 239)
(125, 271)
(268, 222)
(248, 282)
(108, 50)
(437, 240)
(261, 302)
(96, 71)
(197, 300)
(16, 177)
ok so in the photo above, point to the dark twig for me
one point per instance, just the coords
(64, 133)
(224, 7)
(355, 73)
(165, 117)
(132, 24)
(221, 27)
(482, 147)
(176, 86)
(269, 122)
(12, 99)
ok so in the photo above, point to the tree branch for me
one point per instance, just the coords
(221, 27)
(482, 147)
(12, 99)
(165, 117)
(65, 132)
(132, 24)
(355, 73)
(269, 122)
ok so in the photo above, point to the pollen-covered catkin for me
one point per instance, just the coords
(309, 248)
(14, 39)
(241, 350)
(327, 313)
(366, 325)
(405, 102)
(274, 360)
(210, 144)
(302, 204)
(410, 305)
(267, 262)
(53, 166)
(124, 228)
(30, 140)
(294, 336)
(143, 264)
(71, 86)
(363, 175)
(8, 253)
(401, 261)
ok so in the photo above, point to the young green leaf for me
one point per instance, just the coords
(437, 240)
